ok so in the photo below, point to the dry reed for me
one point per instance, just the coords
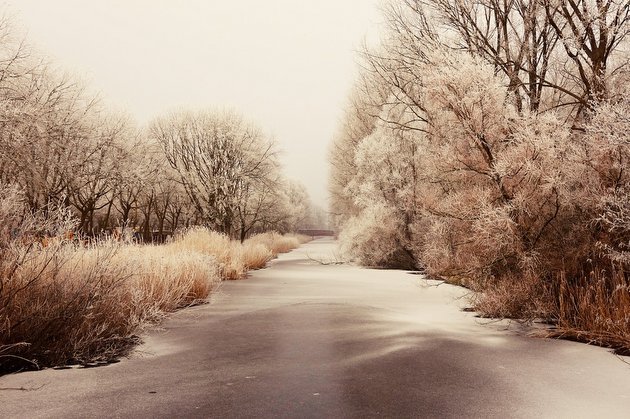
(66, 303)
(275, 242)
(595, 308)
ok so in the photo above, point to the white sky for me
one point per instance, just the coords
(286, 64)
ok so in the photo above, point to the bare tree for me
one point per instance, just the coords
(553, 54)
(222, 161)
(93, 180)
(590, 32)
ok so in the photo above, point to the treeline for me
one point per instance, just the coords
(80, 187)
(487, 143)
(62, 148)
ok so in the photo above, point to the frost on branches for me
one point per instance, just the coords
(491, 167)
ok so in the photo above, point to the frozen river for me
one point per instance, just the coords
(304, 339)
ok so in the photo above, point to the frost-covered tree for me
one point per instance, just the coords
(480, 187)
(550, 53)
(387, 169)
(92, 182)
(60, 147)
(591, 33)
(226, 165)
(362, 114)
(299, 207)
(56, 145)
(508, 180)
(607, 152)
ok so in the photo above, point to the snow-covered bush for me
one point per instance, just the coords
(503, 169)
(383, 192)
(372, 239)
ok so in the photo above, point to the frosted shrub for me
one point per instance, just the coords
(383, 190)
(371, 239)
(211, 243)
(507, 202)
(255, 255)
(275, 242)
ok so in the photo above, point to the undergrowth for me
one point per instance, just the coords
(67, 303)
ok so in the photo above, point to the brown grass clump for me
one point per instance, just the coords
(275, 242)
(524, 298)
(166, 280)
(57, 305)
(66, 303)
(255, 255)
(595, 308)
(227, 253)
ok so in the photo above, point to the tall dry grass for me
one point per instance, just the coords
(235, 258)
(275, 242)
(66, 303)
(227, 253)
(595, 308)
(525, 297)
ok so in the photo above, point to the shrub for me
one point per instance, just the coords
(595, 307)
(66, 303)
(227, 253)
(372, 239)
(275, 242)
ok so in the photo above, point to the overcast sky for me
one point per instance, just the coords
(288, 65)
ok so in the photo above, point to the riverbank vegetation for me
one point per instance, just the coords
(66, 302)
(487, 144)
(107, 226)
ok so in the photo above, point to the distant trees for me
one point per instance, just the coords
(62, 149)
(227, 168)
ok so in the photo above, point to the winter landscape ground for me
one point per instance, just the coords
(471, 158)
(304, 338)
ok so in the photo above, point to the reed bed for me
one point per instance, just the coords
(66, 303)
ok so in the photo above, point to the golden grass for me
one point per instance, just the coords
(167, 279)
(235, 258)
(275, 242)
(255, 256)
(65, 303)
(210, 243)
(596, 308)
